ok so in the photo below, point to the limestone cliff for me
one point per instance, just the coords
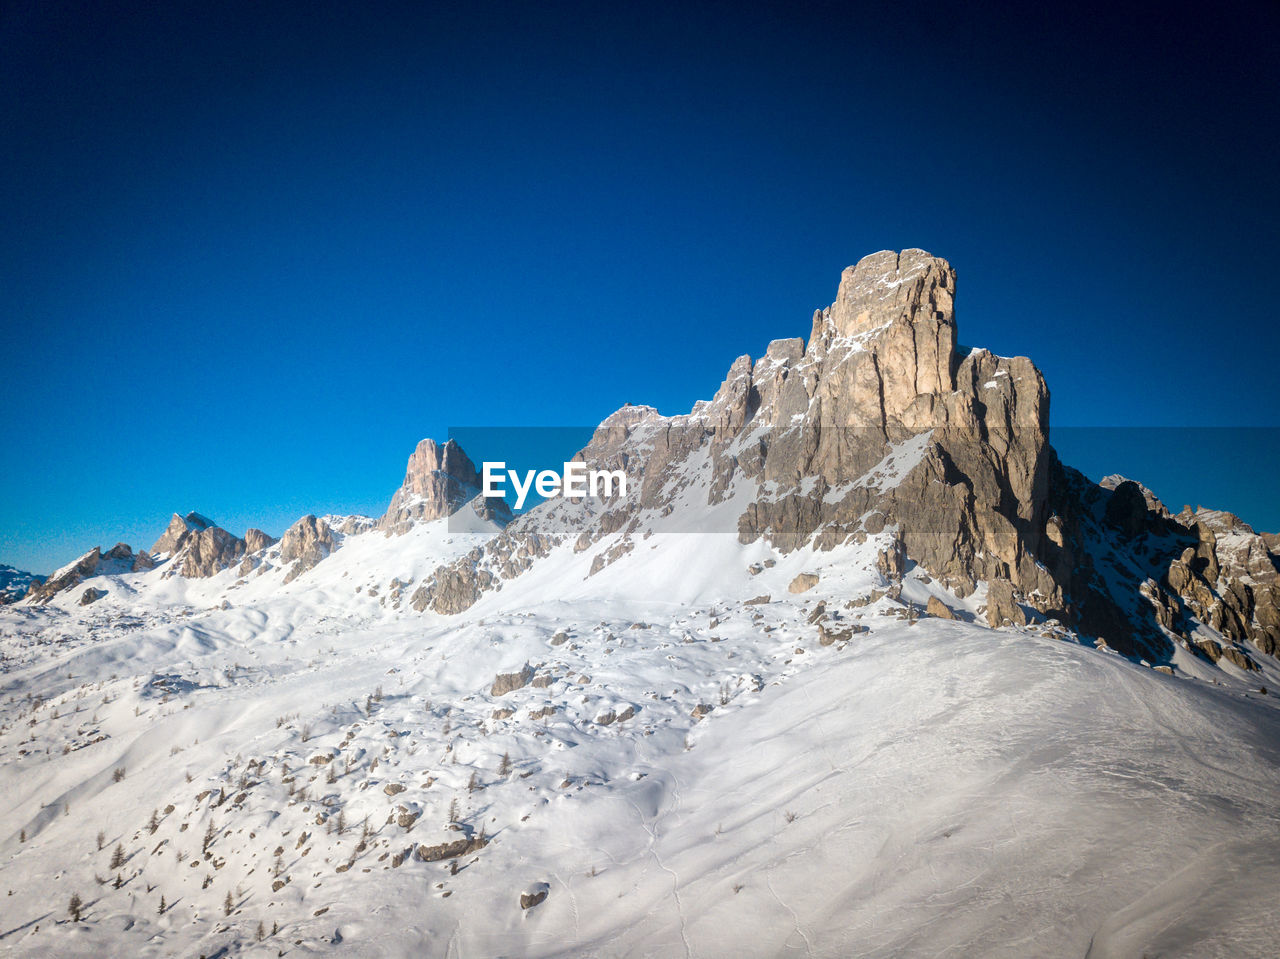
(882, 424)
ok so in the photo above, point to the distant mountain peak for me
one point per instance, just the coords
(15, 583)
(439, 479)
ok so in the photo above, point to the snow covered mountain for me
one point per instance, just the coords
(14, 583)
(855, 667)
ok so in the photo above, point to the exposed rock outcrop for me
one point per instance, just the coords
(505, 683)
(438, 481)
(881, 426)
(803, 583)
(210, 551)
(936, 607)
(304, 544)
(176, 533)
(1002, 607)
(534, 895)
(451, 850)
(256, 539)
(116, 561)
(197, 547)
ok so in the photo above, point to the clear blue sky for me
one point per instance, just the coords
(251, 253)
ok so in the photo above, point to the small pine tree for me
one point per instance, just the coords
(117, 857)
(154, 824)
(228, 904)
(119, 881)
(75, 906)
(262, 932)
(22, 836)
(505, 768)
(118, 774)
(278, 868)
(275, 927)
(342, 821)
(102, 840)
(209, 835)
(453, 810)
(163, 906)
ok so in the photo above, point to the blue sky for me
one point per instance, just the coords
(253, 252)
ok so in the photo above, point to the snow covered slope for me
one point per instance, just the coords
(840, 675)
(14, 583)
(689, 775)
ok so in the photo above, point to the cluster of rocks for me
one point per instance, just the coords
(1225, 577)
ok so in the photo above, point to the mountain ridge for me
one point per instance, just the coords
(901, 687)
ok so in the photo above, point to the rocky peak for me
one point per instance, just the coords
(810, 424)
(256, 540)
(880, 426)
(177, 531)
(885, 286)
(304, 544)
(438, 480)
(197, 546)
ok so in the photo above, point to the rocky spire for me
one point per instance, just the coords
(438, 480)
(177, 532)
(304, 544)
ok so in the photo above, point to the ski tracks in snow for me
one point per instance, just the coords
(660, 814)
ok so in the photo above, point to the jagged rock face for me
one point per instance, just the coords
(879, 389)
(197, 546)
(1229, 580)
(305, 543)
(881, 423)
(437, 482)
(880, 370)
(1002, 607)
(210, 551)
(256, 540)
(177, 532)
(1143, 579)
